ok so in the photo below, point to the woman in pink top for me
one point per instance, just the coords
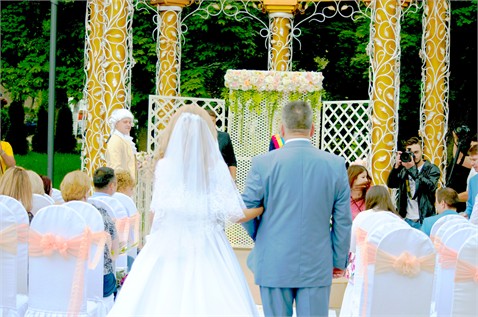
(359, 181)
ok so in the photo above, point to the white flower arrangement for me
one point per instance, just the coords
(298, 82)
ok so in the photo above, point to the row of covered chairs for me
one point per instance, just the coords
(55, 266)
(400, 271)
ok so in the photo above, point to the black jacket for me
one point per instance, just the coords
(426, 184)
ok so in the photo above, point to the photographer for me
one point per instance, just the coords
(416, 180)
(460, 168)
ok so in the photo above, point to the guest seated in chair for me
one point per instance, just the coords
(76, 185)
(445, 204)
(125, 183)
(16, 184)
(37, 183)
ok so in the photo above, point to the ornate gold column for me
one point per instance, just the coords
(168, 46)
(107, 62)
(92, 148)
(116, 58)
(280, 24)
(434, 105)
(384, 94)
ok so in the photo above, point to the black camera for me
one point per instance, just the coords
(406, 157)
(462, 132)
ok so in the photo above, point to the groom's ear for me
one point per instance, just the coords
(312, 130)
(282, 130)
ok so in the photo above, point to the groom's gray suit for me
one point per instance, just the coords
(297, 245)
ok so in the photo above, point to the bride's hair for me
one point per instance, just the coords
(163, 144)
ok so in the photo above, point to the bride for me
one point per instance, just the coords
(187, 267)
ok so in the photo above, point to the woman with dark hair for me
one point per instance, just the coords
(359, 181)
(47, 184)
(378, 198)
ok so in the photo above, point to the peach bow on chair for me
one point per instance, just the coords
(404, 264)
(47, 244)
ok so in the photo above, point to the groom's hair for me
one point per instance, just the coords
(297, 116)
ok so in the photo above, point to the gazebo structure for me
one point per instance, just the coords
(109, 61)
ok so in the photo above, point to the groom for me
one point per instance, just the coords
(302, 239)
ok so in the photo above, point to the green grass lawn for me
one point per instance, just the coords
(62, 164)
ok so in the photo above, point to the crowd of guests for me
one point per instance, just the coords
(420, 203)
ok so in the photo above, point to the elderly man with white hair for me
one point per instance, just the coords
(120, 149)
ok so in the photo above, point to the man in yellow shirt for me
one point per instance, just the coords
(6, 156)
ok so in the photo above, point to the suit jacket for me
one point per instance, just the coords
(119, 155)
(428, 222)
(296, 242)
(425, 186)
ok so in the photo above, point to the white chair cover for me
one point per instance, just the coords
(401, 261)
(134, 217)
(40, 201)
(363, 224)
(21, 217)
(94, 277)
(452, 239)
(49, 198)
(474, 212)
(119, 215)
(12, 304)
(466, 280)
(55, 278)
(56, 195)
(448, 219)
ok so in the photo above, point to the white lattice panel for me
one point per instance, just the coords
(346, 129)
(161, 108)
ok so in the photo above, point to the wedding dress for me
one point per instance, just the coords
(187, 266)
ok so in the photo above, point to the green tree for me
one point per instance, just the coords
(65, 141)
(17, 134)
(40, 138)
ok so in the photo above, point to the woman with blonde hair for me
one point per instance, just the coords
(125, 183)
(75, 185)
(16, 184)
(37, 183)
(194, 197)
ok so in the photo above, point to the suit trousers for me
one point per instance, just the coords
(309, 301)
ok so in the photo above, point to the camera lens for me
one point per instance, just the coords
(406, 157)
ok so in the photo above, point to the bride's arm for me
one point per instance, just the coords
(251, 213)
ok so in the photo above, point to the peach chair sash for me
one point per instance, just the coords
(361, 235)
(22, 232)
(465, 272)
(447, 256)
(48, 243)
(122, 225)
(134, 221)
(101, 239)
(8, 239)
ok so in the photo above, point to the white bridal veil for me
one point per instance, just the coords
(192, 184)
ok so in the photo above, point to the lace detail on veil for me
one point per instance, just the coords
(192, 186)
